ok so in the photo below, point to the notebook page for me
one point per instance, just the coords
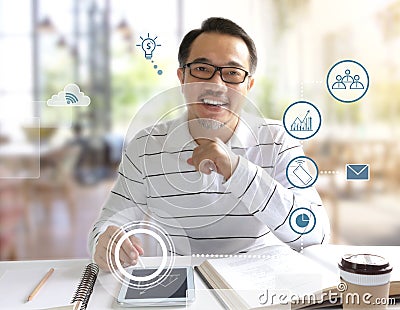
(277, 268)
(17, 284)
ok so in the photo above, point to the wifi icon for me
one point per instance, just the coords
(70, 98)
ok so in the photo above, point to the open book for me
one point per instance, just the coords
(278, 275)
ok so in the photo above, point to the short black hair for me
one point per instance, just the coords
(218, 25)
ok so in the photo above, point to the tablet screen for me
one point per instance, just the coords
(173, 286)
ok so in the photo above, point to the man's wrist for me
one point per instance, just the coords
(233, 163)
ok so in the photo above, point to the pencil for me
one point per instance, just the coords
(41, 283)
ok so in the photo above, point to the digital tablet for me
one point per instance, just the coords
(177, 288)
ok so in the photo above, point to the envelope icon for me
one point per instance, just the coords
(357, 172)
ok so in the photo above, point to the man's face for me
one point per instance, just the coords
(220, 50)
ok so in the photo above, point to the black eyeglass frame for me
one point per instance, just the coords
(216, 68)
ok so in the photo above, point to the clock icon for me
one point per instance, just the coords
(302, 221)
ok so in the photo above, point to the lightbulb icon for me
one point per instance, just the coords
(148, 46)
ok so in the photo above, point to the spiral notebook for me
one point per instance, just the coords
(72, 280)
(85, 287)
(84, 290)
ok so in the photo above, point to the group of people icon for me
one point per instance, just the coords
(347, 79)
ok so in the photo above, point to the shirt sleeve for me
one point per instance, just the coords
(272, 199)
(126, 202)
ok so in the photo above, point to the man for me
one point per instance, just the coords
(217, 174)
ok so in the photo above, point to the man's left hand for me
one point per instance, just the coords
(224, 160)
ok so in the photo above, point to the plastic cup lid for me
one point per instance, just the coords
(370, 264)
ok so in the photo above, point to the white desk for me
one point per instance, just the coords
(60, 287)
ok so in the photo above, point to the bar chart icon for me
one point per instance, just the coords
(302, 120)
(302, 125)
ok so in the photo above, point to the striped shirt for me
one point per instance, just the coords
(204, 213)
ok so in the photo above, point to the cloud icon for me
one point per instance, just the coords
(70, 96)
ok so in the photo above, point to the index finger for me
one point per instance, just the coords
(137, 244)
(129, 249)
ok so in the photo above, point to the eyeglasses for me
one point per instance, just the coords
(204, 71)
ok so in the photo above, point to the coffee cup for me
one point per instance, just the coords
(365, 281)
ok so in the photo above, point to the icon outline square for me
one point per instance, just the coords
(357, 172)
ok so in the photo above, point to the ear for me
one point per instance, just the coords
(181, 75)
(250, 83)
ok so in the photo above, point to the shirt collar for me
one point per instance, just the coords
(179, 136)
(246, 131)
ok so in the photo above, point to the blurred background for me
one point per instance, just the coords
(57, 165)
